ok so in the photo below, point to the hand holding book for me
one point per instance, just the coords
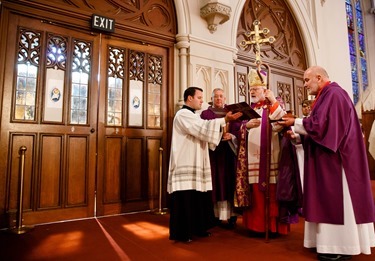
(248, 113)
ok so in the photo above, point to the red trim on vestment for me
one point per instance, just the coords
(326, 84)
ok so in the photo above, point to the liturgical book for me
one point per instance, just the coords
(248, 113)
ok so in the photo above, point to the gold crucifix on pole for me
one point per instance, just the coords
(256, 39)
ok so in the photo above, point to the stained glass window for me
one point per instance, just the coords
(115, 85)
(27, 72)
(155, 76)
(80, 82)
(357, 48)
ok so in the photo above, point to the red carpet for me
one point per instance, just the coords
(143, 236)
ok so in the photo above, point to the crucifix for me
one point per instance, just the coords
(256, 40)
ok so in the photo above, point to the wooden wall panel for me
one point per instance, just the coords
(300, 95)
(242, 90)
(113, 170)
(282, 86)
(17, 141)
(134, 163)
(50, 179)
(153, 157)
(77, 170)
(368, 118)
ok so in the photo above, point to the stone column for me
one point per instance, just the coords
(182, 45)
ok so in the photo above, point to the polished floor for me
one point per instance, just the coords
(144, 236)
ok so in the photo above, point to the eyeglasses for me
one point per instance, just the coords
(255, 88)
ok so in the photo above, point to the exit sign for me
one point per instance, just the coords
(102, 23)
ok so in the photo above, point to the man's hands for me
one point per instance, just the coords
(291, 135)
(226, 136)
(286, 121)
(270, 96)
(232, 117)
(253, 123)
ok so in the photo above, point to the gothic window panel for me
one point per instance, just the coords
(55, 77)
(357, 48)
(242, 86)
(81, 67)
(115, 82)
(136, 86)
(155, 78)
(25, 91)
(275, 16)
(286, 54)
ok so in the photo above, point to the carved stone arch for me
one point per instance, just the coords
(222, 77)
(285, 56)
(203, 74)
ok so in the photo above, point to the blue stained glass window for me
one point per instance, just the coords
(361, 40)
(351, 42)
(359, 21)
(357, 47)
(349, 15)
(364, 73)
(354, 68)
(355, 92)
(357, 4)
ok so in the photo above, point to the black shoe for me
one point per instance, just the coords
(333, 257)
(185, 240)
(188, 240)
(232, 222)
(256, 234)
(217, 222)
(204, 234)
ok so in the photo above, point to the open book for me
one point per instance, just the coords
(247, 111)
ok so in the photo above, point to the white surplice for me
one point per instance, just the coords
(347, 239)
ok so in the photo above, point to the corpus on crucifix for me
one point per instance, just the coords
(257, 37)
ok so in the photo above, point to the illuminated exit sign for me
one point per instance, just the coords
(102, 23)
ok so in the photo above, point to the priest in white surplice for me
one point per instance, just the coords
(189, 177)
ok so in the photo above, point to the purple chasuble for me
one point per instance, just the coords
(335, 141)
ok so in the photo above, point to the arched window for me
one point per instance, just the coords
(354, 20)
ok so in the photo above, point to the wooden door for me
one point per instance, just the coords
(50, 101)
(89, 110)
(132, 126)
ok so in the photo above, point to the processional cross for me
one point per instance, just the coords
(256, 40)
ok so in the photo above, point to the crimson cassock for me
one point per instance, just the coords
(335, 141)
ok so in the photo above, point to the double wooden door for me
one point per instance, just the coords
(88, 110)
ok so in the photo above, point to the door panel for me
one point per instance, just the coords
(89, 109)
(132, 127)
(49, 106)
